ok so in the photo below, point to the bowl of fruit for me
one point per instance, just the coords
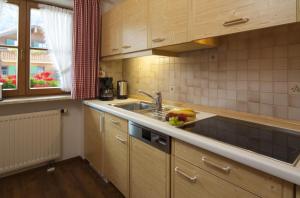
(180, 116)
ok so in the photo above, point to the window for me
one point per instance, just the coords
(9, 26)
(42, 72)
(26, 67)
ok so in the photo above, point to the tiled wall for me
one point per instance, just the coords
(113, 69)
(251, 72)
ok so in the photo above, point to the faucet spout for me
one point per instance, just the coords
(157, 99)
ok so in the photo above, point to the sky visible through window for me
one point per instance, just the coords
(8, 19)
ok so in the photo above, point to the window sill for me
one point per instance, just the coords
(34, 99)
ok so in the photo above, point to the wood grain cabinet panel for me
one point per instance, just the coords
(255, 181)
(168, 22)
(134, 25)
(116, 123)
(111, 31)
(93, 138)
(213, 18)
(116, 155)
(189, 181)
(298, 10)
(149, 171)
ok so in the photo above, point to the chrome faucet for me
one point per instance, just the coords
(157, 99)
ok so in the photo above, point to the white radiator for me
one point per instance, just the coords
(29, 139)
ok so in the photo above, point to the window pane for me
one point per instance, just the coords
(8, 67)
(36, 32)
(9, 25)
(42, 72)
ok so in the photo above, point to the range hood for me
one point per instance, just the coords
(171, 50)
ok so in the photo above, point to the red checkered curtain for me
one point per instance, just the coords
(87, 20)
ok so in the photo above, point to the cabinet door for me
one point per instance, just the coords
(190, 181)
(149, 171)
(116, 157)
(134, 26)
(111, 31)
(168, 20)
(218, 17)
(93, 138)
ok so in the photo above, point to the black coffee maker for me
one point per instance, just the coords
(106, 91)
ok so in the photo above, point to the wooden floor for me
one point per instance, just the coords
(73, 178)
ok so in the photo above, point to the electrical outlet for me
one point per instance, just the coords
(294, 88)
(171, 90)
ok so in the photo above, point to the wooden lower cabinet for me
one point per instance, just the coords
(298, 192)
(93, 138)
(149, 171)
(189, 181)
(231, 172)
(116, 153)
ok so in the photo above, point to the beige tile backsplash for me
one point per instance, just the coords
(250, 72)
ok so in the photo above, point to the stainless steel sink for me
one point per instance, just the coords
(147, 109)
(135, 106)
(157, 114)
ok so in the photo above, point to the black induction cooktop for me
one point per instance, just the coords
(281, 144)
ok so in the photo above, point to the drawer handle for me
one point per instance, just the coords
(115, 49)
(115, 122)
(225, 169)
(235, 22)
(192, 179)
(126, 46)
(120, 139)
(158, 40)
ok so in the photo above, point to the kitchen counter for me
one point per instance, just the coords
(260, 162)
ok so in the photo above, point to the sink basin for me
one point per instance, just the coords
(135, 106)
(147, 109)
(157, 114)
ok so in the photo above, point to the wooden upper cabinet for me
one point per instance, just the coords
(111, 31)
(134, 27)
(168, 22)
(213, 18)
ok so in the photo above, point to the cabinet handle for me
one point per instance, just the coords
(235, 22)
(225, 169)
(101, 124)
(192, 179)
(158, 40)
(120, 139)
(126, 47)
(115, 49)
(115, 122)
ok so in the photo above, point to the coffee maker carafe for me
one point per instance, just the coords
(106, 91)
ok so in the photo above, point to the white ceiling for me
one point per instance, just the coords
(64, 3)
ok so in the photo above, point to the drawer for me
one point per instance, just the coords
(255, 181)
(116, 159)
(114, 122)
(189, 181)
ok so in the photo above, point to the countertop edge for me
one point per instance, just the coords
(34, 99)
(248, 158)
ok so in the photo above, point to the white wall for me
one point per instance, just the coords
(72, 122)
